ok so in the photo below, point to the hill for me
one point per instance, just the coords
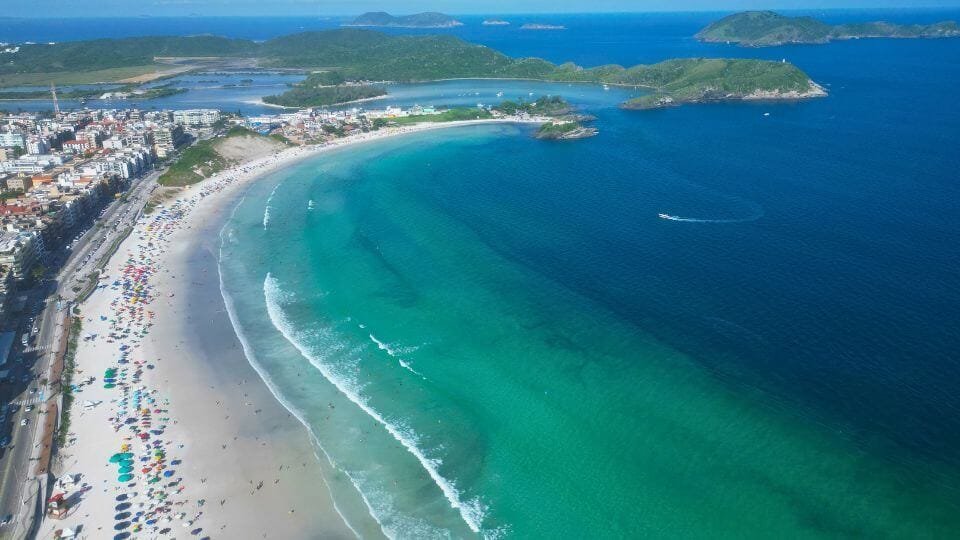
(359, 55)
(766, 28)
(210, 156)
(430, 19)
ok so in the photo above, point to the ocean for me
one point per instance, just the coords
(489, 334)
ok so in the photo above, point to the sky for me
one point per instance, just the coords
(96, 8)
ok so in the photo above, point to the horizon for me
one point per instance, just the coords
(301, 8)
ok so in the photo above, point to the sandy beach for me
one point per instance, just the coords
(176, 435)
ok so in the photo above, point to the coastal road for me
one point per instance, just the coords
(18, 459)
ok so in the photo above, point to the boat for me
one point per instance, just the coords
(664, 216)
(500, 94)
(606, 87)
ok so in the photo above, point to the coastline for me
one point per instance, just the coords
(239, 460)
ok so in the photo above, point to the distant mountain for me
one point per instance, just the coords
(766, 28)
(419, 20)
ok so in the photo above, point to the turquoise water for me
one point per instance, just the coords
(489, 334)
(486, 332)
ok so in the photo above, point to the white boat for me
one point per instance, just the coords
(500, 94)
(606, 87)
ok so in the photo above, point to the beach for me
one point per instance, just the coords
(207, 448)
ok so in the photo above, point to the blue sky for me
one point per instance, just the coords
(92, 8)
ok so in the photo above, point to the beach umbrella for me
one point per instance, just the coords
(109, 386)
(125, 477)
(125, 470)
(153, 480)
(168, 474)
(116, 457)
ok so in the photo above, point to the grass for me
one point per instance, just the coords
(195, 163)
(452, 115)
(76, 325)
(110, 75)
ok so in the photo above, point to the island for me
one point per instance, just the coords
(495, 22)
(341, 64)
(766, 29)
(537, 26)
(324, 89)
(429, 19)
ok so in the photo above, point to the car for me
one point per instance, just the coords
(28, 408)
(24, 422)
(6, 519)
(33, 390)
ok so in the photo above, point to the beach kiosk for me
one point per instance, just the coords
(57, 506)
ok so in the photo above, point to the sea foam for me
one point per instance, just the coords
(472, 511)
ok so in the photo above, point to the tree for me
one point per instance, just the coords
(38, 272)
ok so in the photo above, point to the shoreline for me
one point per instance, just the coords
(170, 325)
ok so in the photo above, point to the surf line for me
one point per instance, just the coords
(698, 220)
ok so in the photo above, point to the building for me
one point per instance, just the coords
(196, 117)
(10, 139)
(38, 145)
(18, 250)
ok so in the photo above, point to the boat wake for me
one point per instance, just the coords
(472, 512)
(668, 217)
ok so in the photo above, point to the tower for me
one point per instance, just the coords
(56, 104)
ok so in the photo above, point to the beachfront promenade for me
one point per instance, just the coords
(20, 476)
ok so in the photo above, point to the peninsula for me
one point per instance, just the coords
(766, 28)
(347, 59)
(429, 19)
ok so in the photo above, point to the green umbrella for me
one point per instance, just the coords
(125, 477)
(109, 386)
(125, 469)
(116, 457)
(153, 480)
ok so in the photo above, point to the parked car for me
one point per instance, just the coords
(28, 408)
(6, 519)
(24, 422)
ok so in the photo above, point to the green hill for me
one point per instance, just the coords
(352, 54)
(766, 28)
(429, 19)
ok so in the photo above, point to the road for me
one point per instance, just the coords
(50, 301)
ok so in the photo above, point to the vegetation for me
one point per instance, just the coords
(766, 28)
(195, 163)
(202, 160)
(419, 20)
(543, 106)
(697, 80)
(313, 92)
(450, 115)
(163, 90)
(365, 55)
(66, 377)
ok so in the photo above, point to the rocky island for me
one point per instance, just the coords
(536, 26)
(428, 19)
(704, 80)
(766, 29)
